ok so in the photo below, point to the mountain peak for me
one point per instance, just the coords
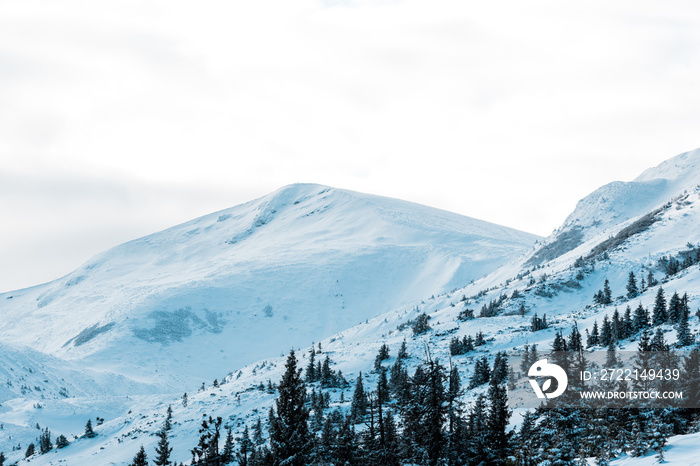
(302, 262)
(684, 167)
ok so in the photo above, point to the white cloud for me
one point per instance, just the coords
(506, 111)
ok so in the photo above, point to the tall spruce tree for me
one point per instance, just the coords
(89, 433)
(632, 290)
(206, 453)
(497, 424)
(141, 459)
(163, 449)
(358, 407)
(641, 319)
(660, 315)
(290, 438)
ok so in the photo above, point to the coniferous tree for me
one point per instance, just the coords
(45, 444)
(477, 429)
(206, 453)
(660, 315)
(290, 438)
(594, 336)
(627, 325)
(61, 442)
(497, 423)
(658, 342)
(685, 337)
(141, 459)
(311, 375)
(607, 293)
(641, 319)
(403, 352)
(245, 447)
(381, 356)
(435, 412)
(258, 438)
(2, 458)
(30, 450)
(184, 400)
(616, 326)
(482, 373)
(525, 362)
(632, 290)
(605, 331)
(167, 425)
(499, 374)
(651, 281)
(674, 308)
(359, 400)
(89, 433)
(163, 449)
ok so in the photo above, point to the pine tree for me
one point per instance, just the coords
(627, 325)
(651, 281)
(674, 308)
(290, 438)
(359, 400)
(641, 319)
(311, 375)
(477, 433)
(381, 356)
(141, 459)
(207, 450)
(167, 425)
(497, 423)
(382, 387)
(594, 336)
(163, 449)
(244, 450)
(89, 433)
(184, 400)
(45, 444)
(616, 326)
(685, 337)
(258, 438)
(403, 352)
(660, 315)
(607, 293)
(658, 342)
(30, 450)
(606, 331)
(632, 290)
(499, 374)
(435, 412)
(61, 442)
(525, 362)
(482, 373)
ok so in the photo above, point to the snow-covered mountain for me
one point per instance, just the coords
(609, 207)
(202, 298)
(618, 229)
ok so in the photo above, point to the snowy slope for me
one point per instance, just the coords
(194, 301)
(608, 207)
(550, 288)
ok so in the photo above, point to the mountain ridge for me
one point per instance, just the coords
(307, 260)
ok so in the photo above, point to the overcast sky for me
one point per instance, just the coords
(121, 118)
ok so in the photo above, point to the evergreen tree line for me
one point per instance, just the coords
(579, 429)
(671, 265)
(675, 312)
(466, 344)
(417, 419)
